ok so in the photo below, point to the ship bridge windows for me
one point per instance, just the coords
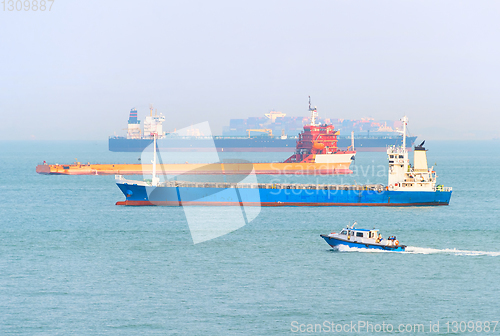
(344, 232)
(359, 234)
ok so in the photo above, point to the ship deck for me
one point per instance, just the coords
(274, 168)
(226, 185)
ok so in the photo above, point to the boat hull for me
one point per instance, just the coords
(210, 196)
(334, 242)
(274, 168)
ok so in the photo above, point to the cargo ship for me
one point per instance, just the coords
(257, 134)
(316, 153)
(407, 186)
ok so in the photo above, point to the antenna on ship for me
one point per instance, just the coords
(405, 122)
(154, 179)
(314, 113)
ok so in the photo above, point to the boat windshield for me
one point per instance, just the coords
(344, 232)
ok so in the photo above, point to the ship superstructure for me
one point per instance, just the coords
(134, 126)
(153, 124)
(405, 177)
(318, 142)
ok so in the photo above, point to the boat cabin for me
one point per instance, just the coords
(359, 234)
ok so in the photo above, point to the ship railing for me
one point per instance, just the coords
(441, 188)
(357, 136)
(392, 149)
(225, 185)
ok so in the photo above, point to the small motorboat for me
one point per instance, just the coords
(363, 239)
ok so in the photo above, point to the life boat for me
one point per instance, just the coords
(318, 146)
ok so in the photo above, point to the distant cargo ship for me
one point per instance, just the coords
(258, 135)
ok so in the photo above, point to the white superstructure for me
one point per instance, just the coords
(134, 131)
(154, 124)
(405, 177)
(274, 114)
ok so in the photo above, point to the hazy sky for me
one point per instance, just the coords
(76, 71)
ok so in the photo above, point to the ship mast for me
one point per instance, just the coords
(405, 122)
(154, 179)
(314, 113)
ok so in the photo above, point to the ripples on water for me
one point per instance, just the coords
(418, 250)
(71, 262)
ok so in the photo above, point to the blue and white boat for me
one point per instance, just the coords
(363, 239)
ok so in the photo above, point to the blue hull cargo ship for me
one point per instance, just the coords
(185, 193)
(408, 186)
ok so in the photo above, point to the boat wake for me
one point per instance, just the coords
(345, 248)
(426, 250)
(420, 250)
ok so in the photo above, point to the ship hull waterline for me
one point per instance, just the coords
(335, 243)
(137, 195)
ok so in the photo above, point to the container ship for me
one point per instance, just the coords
(316, 153)
(258, 134)
(407, 186)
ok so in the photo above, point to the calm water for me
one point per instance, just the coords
(72, 262)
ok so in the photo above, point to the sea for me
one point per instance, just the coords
(74, 263)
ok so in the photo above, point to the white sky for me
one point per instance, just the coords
(76, 71)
